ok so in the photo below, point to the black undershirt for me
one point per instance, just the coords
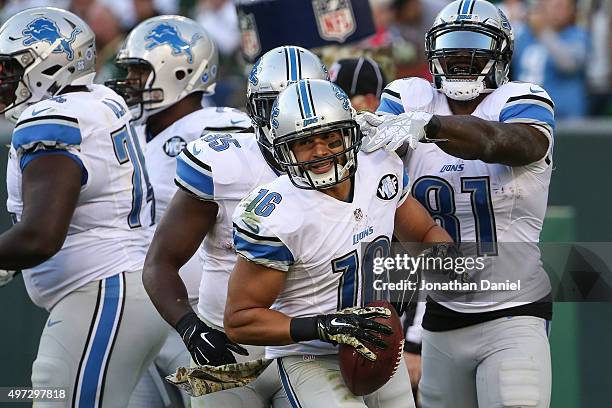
(439, 318)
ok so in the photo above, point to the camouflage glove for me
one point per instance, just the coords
(352, 326)
(204, 380)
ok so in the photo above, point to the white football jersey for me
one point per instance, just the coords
(224, 168)
(318, 240)
(485, 203)
(161, 152)
(108, 232)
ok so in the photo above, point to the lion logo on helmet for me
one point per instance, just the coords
(167, 34)
(44, 29)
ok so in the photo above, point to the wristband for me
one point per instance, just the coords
(303, 329)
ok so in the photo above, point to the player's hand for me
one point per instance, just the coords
(6, 276)
(352, 326)
(393, 131)
(206, 345)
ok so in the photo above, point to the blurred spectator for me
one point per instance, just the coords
(362, 80)
(599, 70)
(383, 15)
(412, 20)
(219, 18)
(106, 26)
(551, 50)
(12, 7)
(132, 12)
(515, 10)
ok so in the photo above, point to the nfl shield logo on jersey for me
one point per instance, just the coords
(387, 187)
(174, 146)
(251, 46)
(335, 19)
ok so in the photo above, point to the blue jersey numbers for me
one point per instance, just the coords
(127, 150)
(356, 279)
(438, 197)
(264, 203)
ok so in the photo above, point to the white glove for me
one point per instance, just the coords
(6, 277)
(392, 131)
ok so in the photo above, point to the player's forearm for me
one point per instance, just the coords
(436, 234)
(23, 247)
(472, 138)
(166, 290)
(258, 326)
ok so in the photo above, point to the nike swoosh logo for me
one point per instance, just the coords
(203, 336)
(536, 90)
(254, 228)
(335, 322)
(53, 323)
(35, 112)
(234, 122)
(195, 150)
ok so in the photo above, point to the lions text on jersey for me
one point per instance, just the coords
(108, 230)
(318, 240)
(161, 153)
(224, 168)
(480, 202)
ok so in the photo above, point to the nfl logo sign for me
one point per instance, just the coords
(335, 19)
(251, 46)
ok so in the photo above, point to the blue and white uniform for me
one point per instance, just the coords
(161, 152)
(92, 286)
(320, 243)
(477, 341)
(161, 155)
(224, 168)
(108, 231)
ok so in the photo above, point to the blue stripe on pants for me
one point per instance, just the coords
(287, 385)
(101, 343)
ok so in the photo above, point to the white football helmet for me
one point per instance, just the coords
(272, 73)
(178, 57)
(469, 49)
(308, 108)
(43, 50)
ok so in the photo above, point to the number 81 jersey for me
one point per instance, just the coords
(108, 232)
(480, 202)
(317, 240)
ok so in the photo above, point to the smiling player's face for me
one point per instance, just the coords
(318, 147)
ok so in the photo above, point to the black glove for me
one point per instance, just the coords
(206, 345)
(351, 326)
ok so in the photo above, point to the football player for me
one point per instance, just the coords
(79, 194)
(171, 62)
(486, 181)
(213, 174)
(298, 282)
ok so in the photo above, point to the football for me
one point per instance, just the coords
(363, 376)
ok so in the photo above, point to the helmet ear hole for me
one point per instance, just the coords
(51, 70)
(180, 74)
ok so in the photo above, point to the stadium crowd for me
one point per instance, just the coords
(563, 45)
